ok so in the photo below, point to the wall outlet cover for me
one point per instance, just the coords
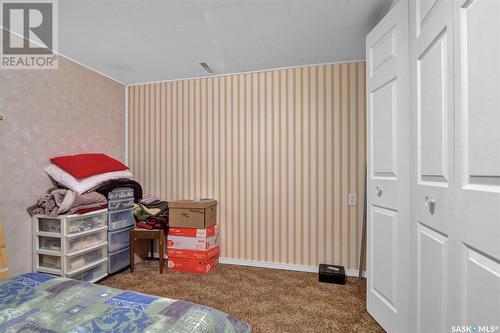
(352, 199)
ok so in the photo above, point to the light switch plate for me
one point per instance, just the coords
(352, 199)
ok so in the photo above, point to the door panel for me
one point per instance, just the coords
(477, 214)
(481, 63)
(383, 100)
(388, 170)
(384, 259)
(482, 279)
(382, 51)
(431, 280)
(433, 111)
(432, 134)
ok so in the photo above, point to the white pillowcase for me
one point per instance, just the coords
(83, 185)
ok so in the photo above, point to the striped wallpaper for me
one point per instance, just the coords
(280, 150)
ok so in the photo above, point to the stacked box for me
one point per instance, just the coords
(193, 238)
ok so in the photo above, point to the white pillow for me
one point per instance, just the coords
(83, 185)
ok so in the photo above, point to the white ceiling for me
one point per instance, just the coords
(152, 40)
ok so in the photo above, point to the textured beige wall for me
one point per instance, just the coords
(48, 113)
(280, 150)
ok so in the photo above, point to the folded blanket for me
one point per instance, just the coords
(58, 201)
(59, 176)
(108, 186)
(88, 210)
(155, 209)
(148, 198)
(152, 216)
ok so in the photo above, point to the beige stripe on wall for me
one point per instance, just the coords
(280, 150)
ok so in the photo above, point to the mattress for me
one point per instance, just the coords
(36, 302)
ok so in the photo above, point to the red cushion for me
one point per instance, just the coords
(86, 165)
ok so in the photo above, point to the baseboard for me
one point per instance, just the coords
(274, 265)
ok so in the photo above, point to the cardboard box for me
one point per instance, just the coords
(192, 214)
(192, 204)
(192, 254)
(200, 266)
(193, 232)
(192, 243)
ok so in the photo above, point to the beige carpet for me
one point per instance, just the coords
(270, 300)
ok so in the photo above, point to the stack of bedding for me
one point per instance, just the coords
(82, 184)
(151, 213)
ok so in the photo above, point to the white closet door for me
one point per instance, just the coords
(388, 170)
(477, 162)
(432, 178)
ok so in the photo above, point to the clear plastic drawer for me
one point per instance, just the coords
(120, 219)
(85, 223)
(121, 204)
(81, 242)
(81, 260)
(49, 225)
(121, 193)
(48, 261)
(118, 240)
(119, 260)
(49, 243)
(92, 274)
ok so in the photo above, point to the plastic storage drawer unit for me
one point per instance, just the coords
(74, 245)
(120, 219)
(119, 260)
(118, 240)
(121, 193)
(121, 204)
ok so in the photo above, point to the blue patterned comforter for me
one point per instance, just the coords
(36, 302)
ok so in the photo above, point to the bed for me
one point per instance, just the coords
(36, 302)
